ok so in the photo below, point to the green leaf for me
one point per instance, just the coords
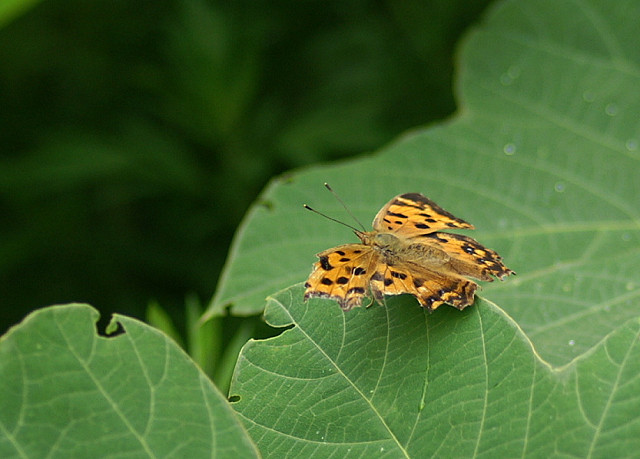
(158, 318)
(67, 392)
(396, 381)
(204, 339)
(542, 157)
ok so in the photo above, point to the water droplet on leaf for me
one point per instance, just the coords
(509, 149)
(611, 109)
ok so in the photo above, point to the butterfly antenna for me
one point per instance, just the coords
(330, 218)
(326, 185)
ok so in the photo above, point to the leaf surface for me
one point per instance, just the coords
(397, 382)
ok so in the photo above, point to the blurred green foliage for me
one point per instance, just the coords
(135, 135)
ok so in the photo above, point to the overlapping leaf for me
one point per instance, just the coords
(67, 392)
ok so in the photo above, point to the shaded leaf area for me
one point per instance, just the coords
(67, 392)
(397, 382)
(542, 158)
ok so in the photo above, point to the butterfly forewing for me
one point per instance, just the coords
(412, 214)
(343, 274)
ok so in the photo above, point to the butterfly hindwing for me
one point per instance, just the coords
(429, 287)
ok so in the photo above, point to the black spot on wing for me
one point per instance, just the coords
(398, 275)
(339, 252)
(356, 290)
(378, 276)
(359, 271)
(394, 214)
(324, 262)
(342, 280)
(326, 281)
(437, 236)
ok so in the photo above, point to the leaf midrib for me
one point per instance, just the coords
(346, 378)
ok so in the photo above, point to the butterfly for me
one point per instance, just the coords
(406, 253)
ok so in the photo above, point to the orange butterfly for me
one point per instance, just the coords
(405, 254)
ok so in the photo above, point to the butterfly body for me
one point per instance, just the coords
(406, 254)
(392, 249)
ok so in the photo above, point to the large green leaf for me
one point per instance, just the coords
(397, 382)
(67, 392)
(543, 158)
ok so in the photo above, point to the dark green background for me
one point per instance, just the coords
(134, 135)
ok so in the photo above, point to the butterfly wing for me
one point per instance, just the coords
(466, 256)
(416, 218)
(430, 287)
(343, 274)
(412, 214)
